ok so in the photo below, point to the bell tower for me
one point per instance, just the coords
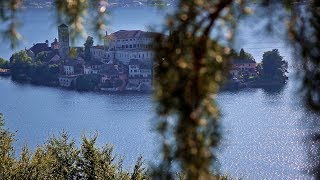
(63, 34)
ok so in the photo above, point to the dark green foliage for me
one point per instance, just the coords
(38, 72)
(245, 55)
(88, 82)
(20, 64)
(4, 64)
(44, 74)
(63, 157)
(23, 167)
(88, 163)
(274, 68)
(42, 56)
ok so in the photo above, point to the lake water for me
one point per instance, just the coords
(263, 131)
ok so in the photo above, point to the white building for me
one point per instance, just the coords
(73, 67)
(138, 69)
(68, 69)
(67, 81)
(124, 45)
(140, 75)
(92, 67)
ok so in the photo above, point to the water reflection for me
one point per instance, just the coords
(274, 90)
(312, 142)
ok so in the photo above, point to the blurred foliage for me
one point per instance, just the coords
(77, 14)
(8, 17)
(304, 31)
(191, 66)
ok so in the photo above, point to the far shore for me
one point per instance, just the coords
(223, 88)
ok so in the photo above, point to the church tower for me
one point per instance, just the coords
(63, 33)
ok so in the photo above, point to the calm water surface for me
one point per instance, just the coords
(263, 131)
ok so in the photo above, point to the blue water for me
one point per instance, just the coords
(263, 131)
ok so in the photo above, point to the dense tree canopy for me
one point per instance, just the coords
(24, 68)
(273, 66)
(60, 158)
(88, 82)
(4, 63)
(42, 56)
(20, 64)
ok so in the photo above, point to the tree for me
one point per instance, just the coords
(4, 64)
(88, 82)
(20, 64)
(6, 151)
(191, 68)
(139, 172)
(42, 56)
(245, 55)
(60, 158)
(273, 66)
(87, 46)
(63, 157)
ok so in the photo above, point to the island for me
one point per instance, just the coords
(124, 63)
(246, 72)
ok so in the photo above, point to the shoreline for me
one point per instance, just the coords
(75, 90)
(223, 88)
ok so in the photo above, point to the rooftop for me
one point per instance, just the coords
(63, 25)
(40, 47)
(125, 34)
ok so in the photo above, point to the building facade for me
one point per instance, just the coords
(124, 45)
(243, 66)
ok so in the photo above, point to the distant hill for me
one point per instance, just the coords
(121, 3)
